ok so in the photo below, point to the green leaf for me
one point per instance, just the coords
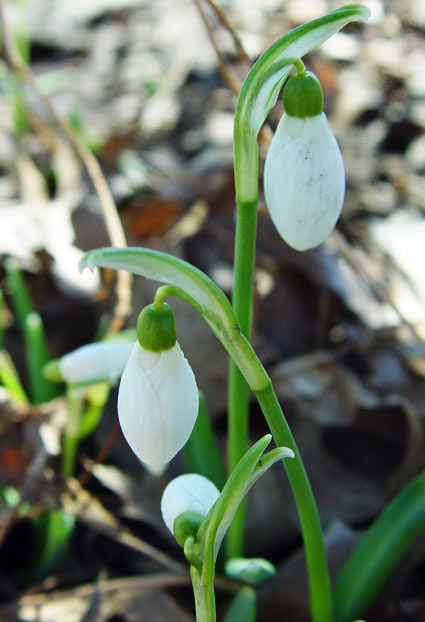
(243, 607)
(9, 378)
(193, 286)
(53, 532)
(37, 354)
(201, 453)
(22, 303)
(261, 86)
(243, 477)
(97, 396)
(168, 269)
(379, 550)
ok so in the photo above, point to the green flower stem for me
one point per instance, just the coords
(238, 399)
(259, 382)
(319, 581)
(300, 67)
(258, 95)
(246, 188)
(203, 590)
(72, 431)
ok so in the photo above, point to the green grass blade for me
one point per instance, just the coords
(72, 434)
(201, 453)
(53, 530)
(243, 607)
(21, 299)
(97, 396)
(10, 380)
(379, 551)
(37, 354)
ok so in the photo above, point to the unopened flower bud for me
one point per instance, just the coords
(189, 496)
(158, 398)
(304, 180)
(103, 360)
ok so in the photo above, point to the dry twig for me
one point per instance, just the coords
(226, 69)
(222, 17)
(112, 221)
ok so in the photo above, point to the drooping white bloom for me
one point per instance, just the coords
(96, 361)
(304, 180)
(189, 492)
(157, 403)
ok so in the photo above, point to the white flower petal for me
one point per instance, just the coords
(304, 180)
(189, 492)
(157, 403)
(105, 359)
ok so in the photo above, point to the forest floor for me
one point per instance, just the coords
(341, 328)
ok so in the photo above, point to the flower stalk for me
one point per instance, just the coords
(258, 95)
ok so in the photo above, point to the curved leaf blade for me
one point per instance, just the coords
(258, 91)
(198, 289)
(247, 472)
(171, 270)
(379, 550)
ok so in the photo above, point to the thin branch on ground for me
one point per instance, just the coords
(112, 221)
(101, 456)
(224, 20)
(101, 587)
(80, 502)
(109, 586)
(226, 69)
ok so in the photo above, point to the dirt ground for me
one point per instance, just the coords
(341, 328)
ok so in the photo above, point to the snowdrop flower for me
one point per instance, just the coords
(187, 493)
(104, 360)
(158, 398)
(304, 180)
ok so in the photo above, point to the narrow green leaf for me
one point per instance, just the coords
(97, 396)
(171, 270)
(2, 318)
(243, 607)
(9, 378)
(379, 550)
(261, 86)
(53, 532)
(71, 436)
(21, 29)
(22, 304)
(251, 466)
(193, 286)
(37, 355)
(201, 453)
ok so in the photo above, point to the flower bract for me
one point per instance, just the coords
(187, 493)
(157, 403)
(304, 180)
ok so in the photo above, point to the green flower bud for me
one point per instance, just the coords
(156, 328)
(253, 571)
(185, 525)
(303, 96)
(51, 371)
